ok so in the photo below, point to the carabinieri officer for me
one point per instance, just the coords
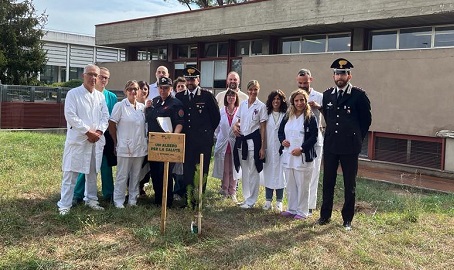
(164, 105)
(347, 113)
(202, 116)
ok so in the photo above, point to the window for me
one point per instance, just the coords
(314, 44)
(415, 38)
(384, 40)
(213, 74)
(249, 47)
(158, 53)
(182, 51)
(179, 68)
(444, 36)
(237, 66)
(216, 49)
(338, 43)
(291, 46)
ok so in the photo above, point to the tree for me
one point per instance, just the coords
(209, 3)
(21, 49)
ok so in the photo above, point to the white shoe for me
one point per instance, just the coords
(119, 206)
(246, 206)
(63, 211)
(94, 205)
(267, 205)
(234, 199)
(279, 206)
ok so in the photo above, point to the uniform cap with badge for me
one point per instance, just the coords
(341, 66)
(191, 72)
(164, 81)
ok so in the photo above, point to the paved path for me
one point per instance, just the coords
(405, 178)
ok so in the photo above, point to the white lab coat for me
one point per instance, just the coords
(273, 175)
(84, 111)
(224, 134)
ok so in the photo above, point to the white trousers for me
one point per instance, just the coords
(69, 182)
(250, 179)
(313, 186)
(298, 190)
(127, 167)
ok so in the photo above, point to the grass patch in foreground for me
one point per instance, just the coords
(395, 227)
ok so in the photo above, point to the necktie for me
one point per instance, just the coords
(339, 95)
(191, 96)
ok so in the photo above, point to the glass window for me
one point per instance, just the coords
(211, 50)
(213, 74)
(242, 48)
(415, 38)
(338, 43)
(384, 40)
(237, 66)
(291, 46)
(182, 51)
(223, 49)
(75, 73)
(444, 36)
(314, 44)
(256, 47)
(193, 51)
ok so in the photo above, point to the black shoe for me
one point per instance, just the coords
(323, 221)
(347, 225)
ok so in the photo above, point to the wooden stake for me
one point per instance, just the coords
(164, 197)
(199, 217)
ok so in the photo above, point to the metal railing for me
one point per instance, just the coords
(24, 93)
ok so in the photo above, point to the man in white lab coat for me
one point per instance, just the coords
(87, 118)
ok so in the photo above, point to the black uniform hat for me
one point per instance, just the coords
(191, 72)
(341, 66)
(164, 81)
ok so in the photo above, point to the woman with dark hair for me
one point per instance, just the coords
(273, 174)
(298, 134)
(225, 140)
(143, 91)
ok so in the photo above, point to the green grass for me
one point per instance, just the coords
(395, 227)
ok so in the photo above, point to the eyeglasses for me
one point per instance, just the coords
(103, 77)
(92, 74)
(133, 89)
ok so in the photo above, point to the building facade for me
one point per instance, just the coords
(68, 54)
(403, 55)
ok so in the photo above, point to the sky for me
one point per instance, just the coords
(81, 16)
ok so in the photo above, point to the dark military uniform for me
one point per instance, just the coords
(201, 119)
(347, 123)
(171, 107)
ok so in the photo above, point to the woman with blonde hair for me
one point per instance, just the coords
(298, 134)
(250, 144)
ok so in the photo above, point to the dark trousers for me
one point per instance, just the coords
(157, 178)
(349, 165)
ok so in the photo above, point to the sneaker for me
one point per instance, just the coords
(132, 204)
(63, 211)
(279, 206)
(287, 214)
(222, 192)
(234, 199)
(245, 206)
(299, 217)
(94, 205)
(267, 205)
(347, 225)
(119, 206)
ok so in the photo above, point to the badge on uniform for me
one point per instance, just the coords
(180, 113)
(329, 104)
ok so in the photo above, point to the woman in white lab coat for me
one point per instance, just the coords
(225, 140)
(273, 174)
(298, 134)
(127, 128)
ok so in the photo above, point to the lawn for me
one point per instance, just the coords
(395, 227)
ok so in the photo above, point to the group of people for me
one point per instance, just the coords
(278, 144)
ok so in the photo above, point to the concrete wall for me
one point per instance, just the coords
(121, 72)
(449, 154)
(271, 15)
(409, 90)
